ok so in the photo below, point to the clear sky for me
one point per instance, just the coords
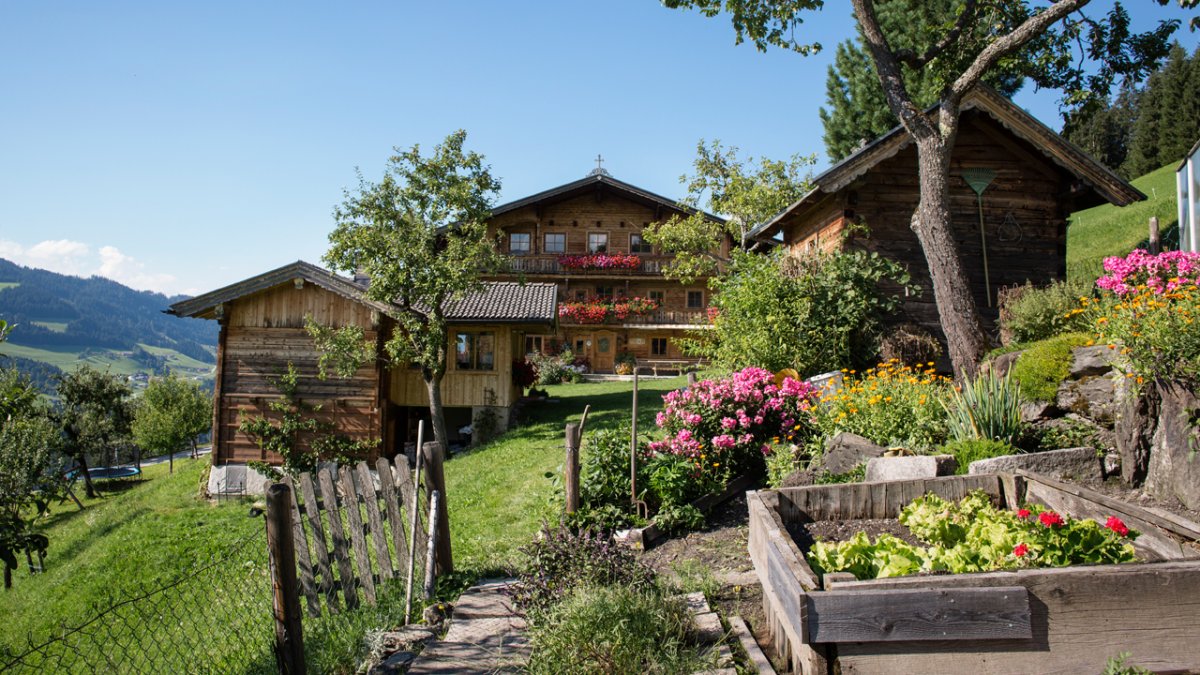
(180, 146)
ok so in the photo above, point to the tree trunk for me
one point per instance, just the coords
(445, 558)
(89, 489)
(195, 451)
(951, 287)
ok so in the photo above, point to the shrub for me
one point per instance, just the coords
(1028, 314)
(561, 560)
(813, 314)
(722, 427)
(604, 474)
(1045, 364)
(987, 408)
(967, 451)
(1155, 304)
(557, 368)
(614, 630)
(891, 404)
(782, 461)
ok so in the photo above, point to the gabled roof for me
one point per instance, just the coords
(1057, 149)
(499, 302)
(599, 181)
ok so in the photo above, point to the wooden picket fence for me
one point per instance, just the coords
(354, 530)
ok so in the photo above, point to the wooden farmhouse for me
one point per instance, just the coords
(586, 236)
(1031, 179)
(262, 330)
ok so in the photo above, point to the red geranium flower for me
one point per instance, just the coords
(1114, 523)
(1050, 519)
(1023, 513)
(1021, 550)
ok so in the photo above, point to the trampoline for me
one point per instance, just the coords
(109, 472)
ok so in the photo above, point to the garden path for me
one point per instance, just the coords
(485, 635)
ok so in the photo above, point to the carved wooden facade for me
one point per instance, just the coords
(547, 234)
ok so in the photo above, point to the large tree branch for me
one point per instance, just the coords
(888, 68)
(1019, 37)
(910, 58)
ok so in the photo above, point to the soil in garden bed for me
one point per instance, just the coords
(806, 534)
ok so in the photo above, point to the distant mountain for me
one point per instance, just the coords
(65, 315)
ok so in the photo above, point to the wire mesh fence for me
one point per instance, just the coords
(214, 618)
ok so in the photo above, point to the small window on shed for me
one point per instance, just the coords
(475, 351)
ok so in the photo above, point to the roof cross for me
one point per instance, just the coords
(599, 170)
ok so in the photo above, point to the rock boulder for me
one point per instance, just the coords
(845, 451)
(1174, 468)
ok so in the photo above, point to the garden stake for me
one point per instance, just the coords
(412, 530)
(979, 179)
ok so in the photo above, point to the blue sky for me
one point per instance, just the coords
(180, 147)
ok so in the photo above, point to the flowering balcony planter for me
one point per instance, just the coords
(1065, 619)
(605, 310)
(600, 261)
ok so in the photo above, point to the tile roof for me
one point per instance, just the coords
(499, 302)
(507, 301)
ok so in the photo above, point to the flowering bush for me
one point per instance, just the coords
(974, 536)
(600, 261)
(603, 310)
(1159, 274)
(558, 368)
(723, 427)
(1151, 313)
(891, 404)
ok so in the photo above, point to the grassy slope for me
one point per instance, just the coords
(1109, 230)
(9, 284)
(499, 493)
(70, 357)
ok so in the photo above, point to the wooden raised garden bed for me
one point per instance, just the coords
(1049, 620)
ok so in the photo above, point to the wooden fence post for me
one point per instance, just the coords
(435, 519)
(691, 378)
(633, 441)
(281, 547)
(1155, 244)
(571, 468)
(435, 482)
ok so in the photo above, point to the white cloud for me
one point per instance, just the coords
(73, 257)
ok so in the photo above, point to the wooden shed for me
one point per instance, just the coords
(262, 330)
(1032, 179)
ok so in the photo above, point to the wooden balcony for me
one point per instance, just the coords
(651, 265)
(662, 317)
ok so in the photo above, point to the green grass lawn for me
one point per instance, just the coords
(499, 493)
(70, 357)
(1108, 230)
(9, 284)
(56, 326)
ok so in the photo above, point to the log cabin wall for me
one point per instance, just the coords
(1024, 209)
(617, 217)
(260, 335)
(465, 388)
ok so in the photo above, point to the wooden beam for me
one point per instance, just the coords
(999, 613)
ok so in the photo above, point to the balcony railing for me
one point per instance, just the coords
(662, 317)
(548, 264)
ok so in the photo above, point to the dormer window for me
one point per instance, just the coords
(518, 243)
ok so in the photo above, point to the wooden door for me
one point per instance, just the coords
(604, 348)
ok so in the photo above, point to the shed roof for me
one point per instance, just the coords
(498, 302)
(1021, 124)
(599, 181)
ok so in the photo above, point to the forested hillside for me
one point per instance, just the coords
(62, 319)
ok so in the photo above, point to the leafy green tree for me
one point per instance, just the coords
(420, 234)
(748, 194)
(1058, 46)
(95, 414)
(813, 313)
(857, 110)
(29, 480)
(169, 416)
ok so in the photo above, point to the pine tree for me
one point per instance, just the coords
(857, 108)
(1104, 130)
(1168, 122)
